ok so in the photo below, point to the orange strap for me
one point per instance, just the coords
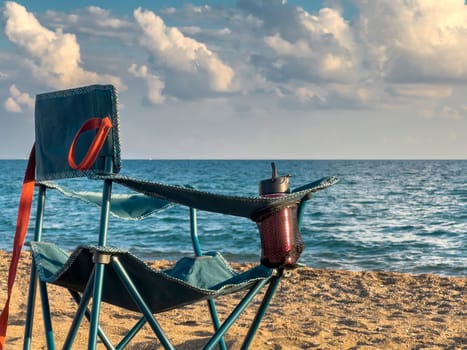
(22, 223)
(104, 125)
(24, 211)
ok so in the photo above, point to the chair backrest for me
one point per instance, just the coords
(58, 117)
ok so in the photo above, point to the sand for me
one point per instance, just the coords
(313, 309)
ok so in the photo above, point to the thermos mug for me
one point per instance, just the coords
(281, 242)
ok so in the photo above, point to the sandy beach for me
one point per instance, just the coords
(313, 309)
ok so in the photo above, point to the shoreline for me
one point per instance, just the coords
(312, 309)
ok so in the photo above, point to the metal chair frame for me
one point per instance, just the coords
(101, 101)
(94, 291)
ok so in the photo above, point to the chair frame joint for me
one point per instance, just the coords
(101, 258)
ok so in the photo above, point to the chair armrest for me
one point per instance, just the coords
(249, 207)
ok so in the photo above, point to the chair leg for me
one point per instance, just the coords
(82, 307)
(235, 314)
(80, 313)
(96, 305)
(131, 334)
(30, 309)
(215, 321)
(100, 261)
(33, 277)
(261, 311)
(49, 334)
(138, 299)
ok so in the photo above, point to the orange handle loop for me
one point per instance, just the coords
(103, 125)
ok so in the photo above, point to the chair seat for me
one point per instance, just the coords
(191, 279)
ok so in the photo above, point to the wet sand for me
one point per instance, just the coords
(313, 309)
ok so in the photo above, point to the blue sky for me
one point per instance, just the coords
(241, 79)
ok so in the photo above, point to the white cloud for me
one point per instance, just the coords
(139, 72)
(392, 53)
(307, 47)
(421, 91)
(450, 112)
(155, 88)
(54, 56)
(22, 97)
(154, 84)
(93, 21)
(18, 99)
(299, 49)
(104, 19)
(415, 41)
(308, 94)
(12, 106)
(187, 66)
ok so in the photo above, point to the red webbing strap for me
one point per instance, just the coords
(22, 223)
(104, 125)
(24, 211)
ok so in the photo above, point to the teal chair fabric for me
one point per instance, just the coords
(192, 279)
(109, 274)
(134, 206)
(58, 116)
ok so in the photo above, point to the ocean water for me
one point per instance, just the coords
(406, 216)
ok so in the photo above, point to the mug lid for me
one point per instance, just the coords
(276, 184)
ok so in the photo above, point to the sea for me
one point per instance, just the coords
(405, 216)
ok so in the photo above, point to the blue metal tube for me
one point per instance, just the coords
(82, 308)
(83, 302)
(49, 334)
(138, 299)
(194, 232)
(216, 322)
(131, 333)
(96, 306)
(261, 311)
(102, 335)
(235, 314)
(198, 252)
(105, 209)
(100, 267)
(30, 310)
(33, 278)
(300, 211)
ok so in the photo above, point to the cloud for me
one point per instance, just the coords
(154, 84)
(12, 106)
(414, 41)
(92, 21)
(17, 99)
(305, 47)
(420, 91)
(392, 52)
(53, 56)
(139, 72)
(189, 69)
(104, 19)
(453, 113)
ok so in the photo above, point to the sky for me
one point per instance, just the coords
(248, 79)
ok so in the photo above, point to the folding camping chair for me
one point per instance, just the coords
(83, 124)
